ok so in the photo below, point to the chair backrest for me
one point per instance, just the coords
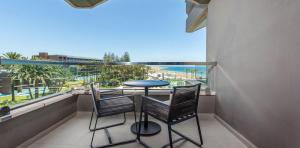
(94, 99)
(184, 101)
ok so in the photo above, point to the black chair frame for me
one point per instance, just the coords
(171, 122)
(105, 128)
(121, 123)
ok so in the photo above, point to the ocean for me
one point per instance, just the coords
(201, 70)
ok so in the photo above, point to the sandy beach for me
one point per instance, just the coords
(157, 72)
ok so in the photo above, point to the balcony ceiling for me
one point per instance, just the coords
(197, 13)
(195, 9)
(85, 3)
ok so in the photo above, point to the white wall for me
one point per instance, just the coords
(257, 46)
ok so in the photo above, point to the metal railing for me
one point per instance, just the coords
(78, 74)
(4, 61)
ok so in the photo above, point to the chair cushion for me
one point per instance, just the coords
(168, 102)
(115, 106)
(98, 94)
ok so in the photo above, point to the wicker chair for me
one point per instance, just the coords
(108, 107)
(183, 106)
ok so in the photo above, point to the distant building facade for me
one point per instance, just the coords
(65, 58)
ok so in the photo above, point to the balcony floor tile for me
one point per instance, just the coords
(74, 133)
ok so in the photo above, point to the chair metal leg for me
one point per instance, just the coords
(186, 138)
(116, 144)
(94, 133)
(108, 136)
(170, 136)
(113, 125)
(183, 137)
(174, 141)
(140, 124)
(134, 112)
(91, 120)
(124, 116)
(139, 131)
(199, 129)
(111, 144)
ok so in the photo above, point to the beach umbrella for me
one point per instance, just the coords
(85, 3)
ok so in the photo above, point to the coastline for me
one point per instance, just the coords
(173, 74)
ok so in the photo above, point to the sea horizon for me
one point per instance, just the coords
(201, 70)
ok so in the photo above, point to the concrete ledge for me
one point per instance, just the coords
(30, 120)
(38, 105)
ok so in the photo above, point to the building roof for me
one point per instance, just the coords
(75, 57)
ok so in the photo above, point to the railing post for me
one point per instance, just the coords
(12, 90)
(175, 75)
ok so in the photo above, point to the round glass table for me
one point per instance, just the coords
(148, 128)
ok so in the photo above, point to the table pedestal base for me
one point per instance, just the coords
(153, 128)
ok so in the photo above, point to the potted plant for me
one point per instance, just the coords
(5, 109)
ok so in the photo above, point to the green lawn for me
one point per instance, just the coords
(6, 100)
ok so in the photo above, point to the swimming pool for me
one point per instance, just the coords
(25, 92)
(1, 95)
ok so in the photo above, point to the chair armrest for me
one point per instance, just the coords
(117, 97)
(153, 100)
(155, 108)
(110, 91)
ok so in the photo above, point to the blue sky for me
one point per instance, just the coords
(150, 30)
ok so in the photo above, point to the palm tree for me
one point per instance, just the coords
(33, 74)
(15, 56)
(12, 55)
(36, 74)
(194, 72)
(186, 73)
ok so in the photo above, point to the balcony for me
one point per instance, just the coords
(56, 112)
(250, 85)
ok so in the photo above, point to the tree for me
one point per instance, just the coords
(36, 74)
(12, 55)
(15, 56)
(194, 72)
(105, 58)
(111, 57)
(125, 57)
(117, 59)
(33, 74)
(113, 75)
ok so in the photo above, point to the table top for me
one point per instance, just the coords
(146, 83)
